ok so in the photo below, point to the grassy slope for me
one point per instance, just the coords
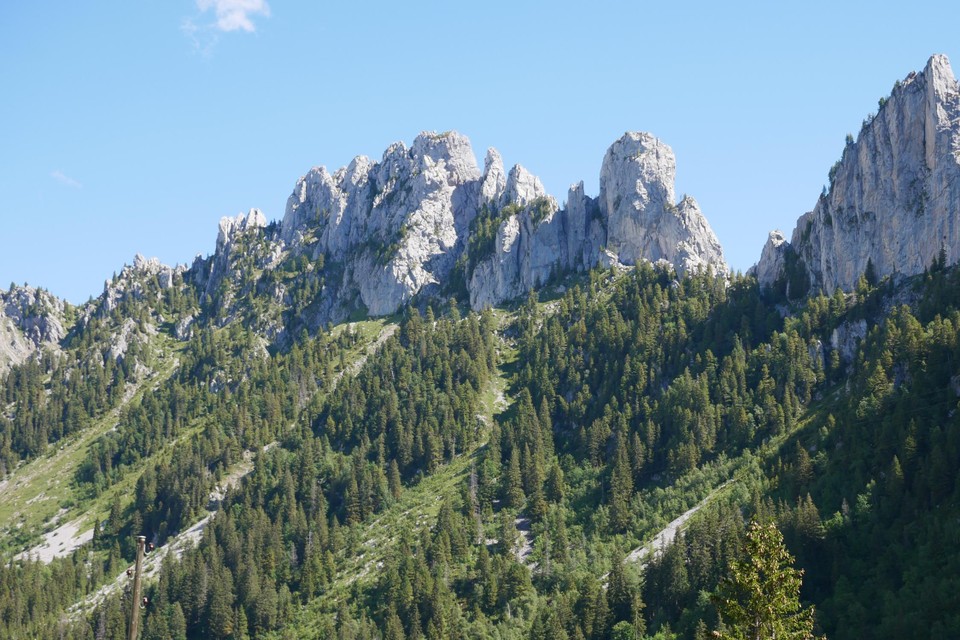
(42, 492)
(417, 508)
(41, 495)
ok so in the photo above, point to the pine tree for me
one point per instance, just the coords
(513, 490)
(352, 499)
(623, 630)
(394, 629)
(555, 487)
(619, 593)
(241, 626)
(114, 521)
(178, 623)
(536, 502)
(221, 616)
(507, 533)
(760, 597)
(621, 489)
(804, 466)
(393, 479)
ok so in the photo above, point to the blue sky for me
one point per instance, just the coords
(134, 126)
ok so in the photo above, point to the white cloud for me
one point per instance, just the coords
(233, 15)
(62, 178)
(203, 37)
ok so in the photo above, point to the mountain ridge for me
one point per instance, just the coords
(893, 197)
(425, 221)
(442, 473)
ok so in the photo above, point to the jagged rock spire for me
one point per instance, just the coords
(400, 227)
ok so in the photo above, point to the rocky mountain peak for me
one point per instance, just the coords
(132, 281)
(451, 149)
(939, 76)
(643, 158)
(773, 259)
(494, 180)
(153, 267)
(522, 187)
(234, 245)
(390, 230)
(638, 203)
(232, 227)
(893, 196)
(393, 227)
(30, 318)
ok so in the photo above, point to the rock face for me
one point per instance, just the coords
(229, 238)
(772, 267)
(535, 239)
(643, 220)
(424, 221)
(635, 218)
(894, 196)
(130, 282)
(30, 319)
(390, 230)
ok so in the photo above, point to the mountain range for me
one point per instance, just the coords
(426, 222)
(433, 402)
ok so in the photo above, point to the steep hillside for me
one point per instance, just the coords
(591, 460)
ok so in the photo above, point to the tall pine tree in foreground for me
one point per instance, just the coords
(760, 597)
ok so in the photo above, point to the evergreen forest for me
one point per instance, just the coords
(449, 474)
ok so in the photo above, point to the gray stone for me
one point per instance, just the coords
(643, 219)
(894, 195)
(31, 319)
(399, 227)
(773, 259)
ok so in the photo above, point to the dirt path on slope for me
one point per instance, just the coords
(668, 533)
(354, 367)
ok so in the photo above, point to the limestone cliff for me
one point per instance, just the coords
(635, 218)
(425, 221)
(30, 319)
(535, 239)
(894, 196)
(391, 228)
(643, 219)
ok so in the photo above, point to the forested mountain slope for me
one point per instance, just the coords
(459, 471)
(400, 502)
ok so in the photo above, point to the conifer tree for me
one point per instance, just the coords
(394, 629)
(621, 488)
(393, 479)
(760, 597)
(619, 592)
(555, 487)
(513, 489)
(353, 504)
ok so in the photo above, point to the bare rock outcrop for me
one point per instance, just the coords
(894, 195)
(390, 230)
(30, 320)
(133, 281)
(635, 218)
(643, 219)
